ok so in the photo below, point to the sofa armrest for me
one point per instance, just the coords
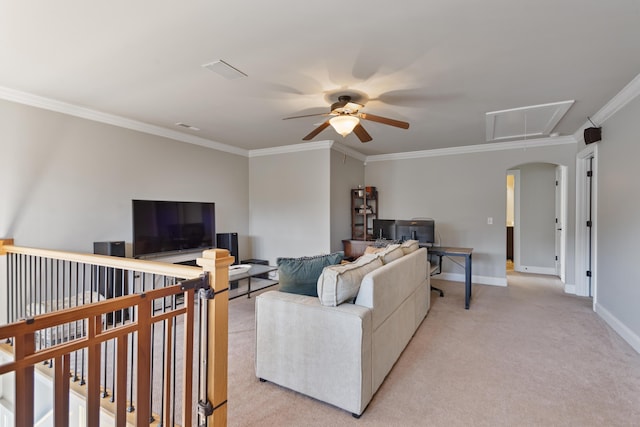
(323, 352)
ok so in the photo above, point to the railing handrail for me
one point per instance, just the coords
(213, 264)
(144, 266)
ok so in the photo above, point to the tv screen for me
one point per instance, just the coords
(422, 230)
(165, 226)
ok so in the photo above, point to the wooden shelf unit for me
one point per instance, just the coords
(364, 209)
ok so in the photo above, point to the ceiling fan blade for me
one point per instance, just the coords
(316, 131)
(384, 120)
(362, 134)
(306, 115)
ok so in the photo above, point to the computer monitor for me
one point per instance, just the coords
(422, 230)
(384, 229)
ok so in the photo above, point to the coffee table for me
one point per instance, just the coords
(255, 270)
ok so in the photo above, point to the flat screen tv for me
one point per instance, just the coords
(165, 226)
(422, 230)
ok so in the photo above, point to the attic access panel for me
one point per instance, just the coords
(525, 122)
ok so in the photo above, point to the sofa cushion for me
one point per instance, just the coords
(391, 253)
(409, 246)
(373, 249)
(300, 275)
(341, 283)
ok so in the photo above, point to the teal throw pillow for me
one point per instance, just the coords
(300, 275)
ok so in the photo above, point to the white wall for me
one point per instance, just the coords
(618, 223)
(460, 191)
(69, 181)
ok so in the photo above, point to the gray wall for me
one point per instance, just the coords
(69, 181)
(460, 191)
(300, 201)
(290, 204)
(346, 173)
(618, 222)
(537, 216)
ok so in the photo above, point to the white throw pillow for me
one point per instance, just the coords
(340, 283)
(409, 246)
(391, 253)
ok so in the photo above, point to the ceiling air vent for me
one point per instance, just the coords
(227, 71)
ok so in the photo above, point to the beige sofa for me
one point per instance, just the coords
(342, 354)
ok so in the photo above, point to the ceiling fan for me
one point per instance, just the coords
(346, 119)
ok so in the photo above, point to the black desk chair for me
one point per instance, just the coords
(436, 268)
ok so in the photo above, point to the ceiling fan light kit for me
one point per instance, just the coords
(346, 119)
(344, 124)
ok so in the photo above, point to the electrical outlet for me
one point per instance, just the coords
(490, 220)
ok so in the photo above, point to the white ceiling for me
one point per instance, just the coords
(438, 64)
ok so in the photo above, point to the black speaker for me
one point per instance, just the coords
(592, 135)
(111, 282)
(229, 241)
(109, 248)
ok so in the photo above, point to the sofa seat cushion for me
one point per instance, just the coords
(340, 283)
(300, 275)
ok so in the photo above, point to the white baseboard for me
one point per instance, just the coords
(569, 289)
(627, 334)
(480, 280)
(537, 270)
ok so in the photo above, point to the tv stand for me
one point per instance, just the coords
(190, 262)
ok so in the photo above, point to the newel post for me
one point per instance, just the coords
(216, 263)
(4, 286)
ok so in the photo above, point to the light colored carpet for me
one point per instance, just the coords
(523, 355)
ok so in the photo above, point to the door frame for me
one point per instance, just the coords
(582, 214)
(516, 217)
(561, 214)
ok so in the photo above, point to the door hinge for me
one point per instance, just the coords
(556, 257)
(589, 223)
(589, 174)
(588, 273)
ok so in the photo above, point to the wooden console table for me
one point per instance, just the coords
(355, 248)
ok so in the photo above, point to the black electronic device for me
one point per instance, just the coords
(422, 230)
(168, 226)
(229, 241)
(592, 135)
(384, 229)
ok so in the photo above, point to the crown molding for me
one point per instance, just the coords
(111, 119)
(349, 151)
(309, 146)
(480, 148)
(620, 100)
(295, 148)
